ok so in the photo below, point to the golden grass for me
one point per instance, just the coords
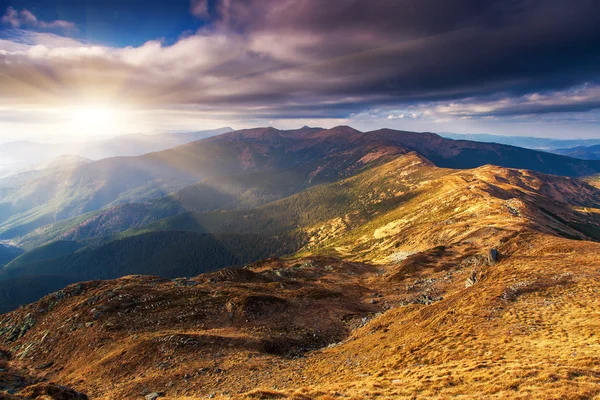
(528, 329)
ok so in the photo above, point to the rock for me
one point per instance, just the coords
(493, 256)
(425, 299)
(154, 395)
(471, 280)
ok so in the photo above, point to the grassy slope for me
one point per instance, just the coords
(328, 155)
(318, 328)
(361, 217)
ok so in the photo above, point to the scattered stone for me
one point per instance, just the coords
(426, 299)
(471, 280)
(164, 365)
(154, 395)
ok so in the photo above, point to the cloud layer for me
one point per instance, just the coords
(307, 59)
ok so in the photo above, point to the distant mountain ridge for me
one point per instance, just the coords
(582, 152)
(535, 143)
(23, 155)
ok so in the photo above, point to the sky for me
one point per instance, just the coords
(83, 69)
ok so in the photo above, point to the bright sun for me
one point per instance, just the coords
(95, 120)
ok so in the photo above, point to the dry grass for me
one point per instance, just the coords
(321, 328)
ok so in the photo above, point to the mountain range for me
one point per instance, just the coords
(536, 143)
(582, 152)
(330, 263)
(225, 170)
(22, 156)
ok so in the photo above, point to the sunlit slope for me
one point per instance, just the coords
(382, 215)
(138, 179)
(323, 155)
(376, 212)
(444, 322)
(280, 228)
(240, 191)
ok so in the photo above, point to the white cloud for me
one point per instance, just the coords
(393, 116)
(578, 99)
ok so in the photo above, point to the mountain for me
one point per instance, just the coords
(47, 168)
(468, 154)
(412, 279)
(347, 218)
(582, 152)
(8, 253)
(138, 144)
(220, 166)
(25, 155)
(536, 143)
(169, 254)
(240, 191)
(315, 158)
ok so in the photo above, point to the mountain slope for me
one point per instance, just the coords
(536, 143)
(466, 154)
(26, 154)
(47, 168)
(247, 190)
(582, 152)
(129, 179)
(382, 215)
(8, 253)
(415, 301)
(231, 167)
(168, 254)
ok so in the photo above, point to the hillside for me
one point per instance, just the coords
(240, 169)
(20, 156)
(46, 168)
(169, 254)
(8, 253)
(364, 218)
(119, 180)
(398, 294)
(376, 261)
(582, 152)
(240, 191)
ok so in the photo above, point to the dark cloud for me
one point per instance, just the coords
(427, 48)
(311, 58)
